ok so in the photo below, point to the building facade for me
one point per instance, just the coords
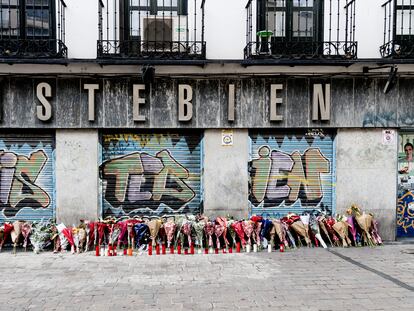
(152, 107)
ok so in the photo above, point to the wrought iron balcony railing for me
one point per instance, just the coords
(398, 29)
(151, 29)
(300, 29)
(32, 29)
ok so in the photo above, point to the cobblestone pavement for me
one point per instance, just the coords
(379, 278)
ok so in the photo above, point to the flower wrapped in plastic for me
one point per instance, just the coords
(341, 227)
(154, 226)
(123, 232)
(66, 237)
(223, 221)
(257, 228)
(26, 230)
(365, 222)
(327, 222)
(141, 234)
(186, 230)
(375, 232)
(218, 231)
(179, 221)
(238, 228)
(15, 233)
(351, 226)
(41, 235)
(248, 230)
(7, 228)
(278, 229)
(231, 231)
(169, 228)
(314, 227)
(297, 225)
(199, 232)
(267, 226)
(209, 230)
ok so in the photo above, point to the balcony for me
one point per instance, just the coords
(300, 29)
(398, 29)
(32, 29)
(151, 29)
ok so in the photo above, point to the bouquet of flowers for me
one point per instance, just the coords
(41, 235)
(186, 230)
(26, 230)
(218, 231)
(199, 231)
(341, 227)
(278, 229)
(248, 230)
(238, 228)
(297, 225)
(365, 222)
(223, 222)
(5, 231)
(154, 226)
(314, 226)
(209, 230)
(15, 233)
(232, 232)
(257, 227)
(267, 226)
(169, 228)
(351, 226)
(141, 234)
(327, 222)
(375, 232)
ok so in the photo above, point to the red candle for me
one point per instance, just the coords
(129, 251)
(224, 251)
(109, 250)
(125, 251)
(157, 249)
(179, 249)
(171, 249)
(206, 251)
(192, 249)
(97, 250)
(282, 247)
(185, 251)
(113, 251)
(230, 250)
(163, 249)
(216, 250)
(238, 247)
(150, 249)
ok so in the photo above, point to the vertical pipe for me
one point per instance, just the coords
(337, 21)
(202, 31)
(409, 29)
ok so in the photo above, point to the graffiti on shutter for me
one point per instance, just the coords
(26, 178)
(290, 173)
(150, 174)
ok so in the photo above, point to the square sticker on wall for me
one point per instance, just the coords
(227, 137)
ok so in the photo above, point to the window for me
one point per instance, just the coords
(152, 29)
(28, 27)
(296, 23)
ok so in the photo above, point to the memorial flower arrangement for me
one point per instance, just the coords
(315, 229)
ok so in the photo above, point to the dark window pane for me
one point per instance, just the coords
(9, 21)
(37, 22)
(303, 24)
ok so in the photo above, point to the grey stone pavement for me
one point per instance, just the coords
(380, 278)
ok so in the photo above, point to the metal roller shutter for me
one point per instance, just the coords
(27, 182)
(150, 173)
(291, 172)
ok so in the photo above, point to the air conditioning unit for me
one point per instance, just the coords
(164, 34)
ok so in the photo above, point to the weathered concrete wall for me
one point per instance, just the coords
(76, 175)
(225, 174)
(355, 102)
(367, 175)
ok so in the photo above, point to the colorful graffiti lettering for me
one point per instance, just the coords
(405, 215)
(140, 177)
(278, 176)
(18, 186)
